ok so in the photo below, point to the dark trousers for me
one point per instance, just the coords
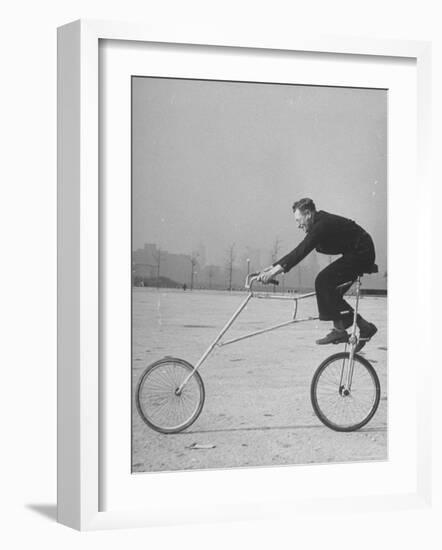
(331, 304)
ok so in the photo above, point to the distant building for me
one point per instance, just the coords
(152, 262)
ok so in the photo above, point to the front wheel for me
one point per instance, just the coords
(160, 404)
(340, 408)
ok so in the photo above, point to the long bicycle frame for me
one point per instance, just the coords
(249, 286)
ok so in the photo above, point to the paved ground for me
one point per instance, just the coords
(257, 410)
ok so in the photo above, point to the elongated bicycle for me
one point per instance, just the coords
(345, 389)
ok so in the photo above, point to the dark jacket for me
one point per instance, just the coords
(329, 234)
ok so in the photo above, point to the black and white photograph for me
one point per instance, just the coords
(221, 295)
(259, 274)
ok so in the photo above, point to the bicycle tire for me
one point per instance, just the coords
(157, 389)
(362, 368)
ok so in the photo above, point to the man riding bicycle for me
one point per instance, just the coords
(330, 234)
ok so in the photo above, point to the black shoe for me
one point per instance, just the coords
(366, 332)
(336, 336)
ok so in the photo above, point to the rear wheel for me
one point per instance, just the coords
(341, 409)
(160, 404)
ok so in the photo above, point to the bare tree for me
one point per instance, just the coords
(210, 273)
(275, 253)
(193, 263)
(275, 249)
(231, 255)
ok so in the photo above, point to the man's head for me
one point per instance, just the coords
(304, 211)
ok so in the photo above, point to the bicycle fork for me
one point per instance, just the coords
(347, 374)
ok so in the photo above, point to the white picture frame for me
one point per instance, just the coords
(79, 447)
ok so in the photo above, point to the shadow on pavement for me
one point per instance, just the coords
(48, 511)
(263, 428)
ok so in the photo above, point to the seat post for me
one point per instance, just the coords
(355, 313)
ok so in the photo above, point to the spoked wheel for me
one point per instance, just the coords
(339, 408)
(160, 404)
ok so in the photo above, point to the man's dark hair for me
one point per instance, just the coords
(304, 205)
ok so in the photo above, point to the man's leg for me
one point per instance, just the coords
(331, 304)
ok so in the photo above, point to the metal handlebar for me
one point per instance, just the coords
(252, 277)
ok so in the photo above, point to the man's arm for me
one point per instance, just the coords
(304, 248)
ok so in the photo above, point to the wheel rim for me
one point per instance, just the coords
(160, 404)
(338, 408)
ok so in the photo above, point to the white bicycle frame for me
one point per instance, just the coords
(250, 279)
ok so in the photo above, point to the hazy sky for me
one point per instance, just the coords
(217, 163)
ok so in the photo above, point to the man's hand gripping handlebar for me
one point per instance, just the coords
(253, 277)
